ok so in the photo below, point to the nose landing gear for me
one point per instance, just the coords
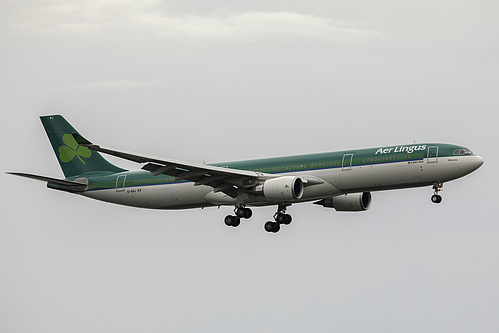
(436, 198)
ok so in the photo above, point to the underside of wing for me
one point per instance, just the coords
(221, 179)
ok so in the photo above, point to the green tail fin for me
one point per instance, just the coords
(73, 158)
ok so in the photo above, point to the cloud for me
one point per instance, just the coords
(145, 20)
(255, 27)
(118, 84)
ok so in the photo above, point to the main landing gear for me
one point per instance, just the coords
(240, 212)
(436, 198)
(280, 217)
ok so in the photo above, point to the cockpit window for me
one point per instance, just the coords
(462, 152)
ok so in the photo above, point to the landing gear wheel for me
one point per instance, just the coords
(236, 222)
(232, 221)
(282, 218)
(243, 212)
(436, 198)
(247, 213)
(272, 226)
(240, 212)
(228, 220)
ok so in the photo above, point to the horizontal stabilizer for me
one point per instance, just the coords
(65, 185)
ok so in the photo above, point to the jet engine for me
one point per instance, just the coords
(352, 202)
(282, 188)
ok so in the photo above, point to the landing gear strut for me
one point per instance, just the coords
(280, 217)
(240, 212)
(436, 198)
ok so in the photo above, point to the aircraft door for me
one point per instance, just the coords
(347, 162)
(120, 183)
(432, 156)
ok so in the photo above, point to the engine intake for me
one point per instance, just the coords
(282, 188)
(353, 202)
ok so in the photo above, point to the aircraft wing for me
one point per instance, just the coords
(221, 179)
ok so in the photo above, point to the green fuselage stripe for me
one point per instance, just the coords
(288, 164)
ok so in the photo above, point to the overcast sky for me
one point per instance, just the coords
(228, 80)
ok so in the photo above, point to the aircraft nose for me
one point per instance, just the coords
(477, 162)
(470, 164)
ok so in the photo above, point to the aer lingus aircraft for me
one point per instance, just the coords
(342, 180)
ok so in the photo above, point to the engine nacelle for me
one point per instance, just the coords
(282, 188)
(354, 202)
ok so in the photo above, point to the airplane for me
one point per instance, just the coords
(342, 180)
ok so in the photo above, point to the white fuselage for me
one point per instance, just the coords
(335, 181)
